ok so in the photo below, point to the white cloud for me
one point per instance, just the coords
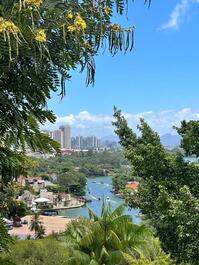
(86, 123)
(178, 14)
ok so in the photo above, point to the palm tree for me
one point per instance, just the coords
(36, 226)
(109, 239)
(41, 232)
(5, 238)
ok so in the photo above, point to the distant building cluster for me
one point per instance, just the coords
(62, 136)
(89, 142)
(71, 144)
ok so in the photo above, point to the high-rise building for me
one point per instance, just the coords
(62, 136)
(89, 142)
(56, 135)
(65, 136)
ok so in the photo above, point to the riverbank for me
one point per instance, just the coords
(52, 224)
(100, 187)
(78, 205)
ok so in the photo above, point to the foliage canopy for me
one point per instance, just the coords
(168, 191)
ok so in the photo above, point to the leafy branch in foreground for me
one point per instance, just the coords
(41, 41)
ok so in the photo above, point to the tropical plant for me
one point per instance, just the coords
(105, 239)
(36, 226)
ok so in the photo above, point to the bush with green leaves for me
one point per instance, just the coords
(46, 251)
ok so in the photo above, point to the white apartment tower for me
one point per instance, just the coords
(62, 136)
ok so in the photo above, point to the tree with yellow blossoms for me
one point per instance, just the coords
(41, 41)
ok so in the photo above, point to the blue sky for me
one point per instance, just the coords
(160, 76)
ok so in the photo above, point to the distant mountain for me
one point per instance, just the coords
(110, 138)
(170, 140)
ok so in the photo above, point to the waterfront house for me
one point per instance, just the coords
(47, 195)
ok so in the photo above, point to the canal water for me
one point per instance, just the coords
(99, 187)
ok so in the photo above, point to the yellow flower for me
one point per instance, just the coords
(116, 27)
(8, 26)
(35, 3)
(79, 23)
(69, 15)
(107, 10)
(41, 35)
(11, 27)
(71, 28)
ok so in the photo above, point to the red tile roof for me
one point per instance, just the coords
(133, 185)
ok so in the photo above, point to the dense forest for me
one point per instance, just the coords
(90, 163)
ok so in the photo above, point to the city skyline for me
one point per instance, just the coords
(88, 124)
(66, 140)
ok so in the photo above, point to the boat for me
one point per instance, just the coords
(88, 200)
(108, 198)
(99, 199)
(119, 195)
